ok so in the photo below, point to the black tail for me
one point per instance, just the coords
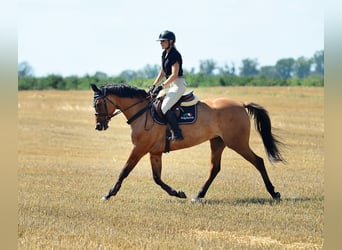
(263, 126)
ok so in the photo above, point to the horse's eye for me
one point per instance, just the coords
(99, 105)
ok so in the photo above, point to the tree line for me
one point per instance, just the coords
(286, 72)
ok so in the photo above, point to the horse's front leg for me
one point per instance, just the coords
(132, 161)
(156, 164)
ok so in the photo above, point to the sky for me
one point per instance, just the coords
(78, 37)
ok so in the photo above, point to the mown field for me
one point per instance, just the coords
(65, 166)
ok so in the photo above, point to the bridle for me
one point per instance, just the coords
(108, 116)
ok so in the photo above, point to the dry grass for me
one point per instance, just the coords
(65, 166)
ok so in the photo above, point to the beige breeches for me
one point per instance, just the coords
(173, 94)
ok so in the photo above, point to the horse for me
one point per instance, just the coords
(222, 121)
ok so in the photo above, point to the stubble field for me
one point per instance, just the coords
(65, 167)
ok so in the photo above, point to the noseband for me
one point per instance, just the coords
(107, 116)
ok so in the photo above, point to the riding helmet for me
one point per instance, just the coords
(167, 35)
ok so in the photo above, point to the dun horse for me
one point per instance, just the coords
(224, 122)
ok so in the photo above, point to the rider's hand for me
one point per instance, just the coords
(157, 90)
(150, 89)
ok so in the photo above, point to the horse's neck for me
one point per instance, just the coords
(130, 106)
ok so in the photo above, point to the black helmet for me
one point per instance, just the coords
(167, 35)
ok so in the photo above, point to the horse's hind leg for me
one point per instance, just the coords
(258, 162)
(156, 163)
(217, 146)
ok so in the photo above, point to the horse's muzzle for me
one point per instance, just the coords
(101, 126)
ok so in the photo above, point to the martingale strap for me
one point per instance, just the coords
(139, 113)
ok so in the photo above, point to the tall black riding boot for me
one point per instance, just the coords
(172, 120)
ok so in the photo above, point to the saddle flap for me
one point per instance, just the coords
(185, 109)
(185, 115)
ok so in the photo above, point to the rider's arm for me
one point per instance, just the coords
(159, 77)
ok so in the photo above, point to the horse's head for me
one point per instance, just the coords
(104, 107)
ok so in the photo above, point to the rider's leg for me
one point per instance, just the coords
(173, 94)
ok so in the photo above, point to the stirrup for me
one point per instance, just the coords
(178, 137)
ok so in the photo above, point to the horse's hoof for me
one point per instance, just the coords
(105, 198)
(277, 196)
(181, 194)
(196, 199)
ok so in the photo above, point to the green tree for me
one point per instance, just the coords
(268, 71)
(25, 69)
(72, 82)
(53, 81)
(318, 61)
(226, 70)
(207, 67)
(150, 71)
(284, 67)
(100, 75)
(27, 83)
(302, 67)
(249, 67)
(128, 74)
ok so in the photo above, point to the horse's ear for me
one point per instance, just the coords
(94, 87)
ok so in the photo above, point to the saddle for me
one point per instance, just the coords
(185, 109)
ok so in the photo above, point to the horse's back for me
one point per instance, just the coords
(227, 117)
(223, 108)
(218, 114)
(222, 103)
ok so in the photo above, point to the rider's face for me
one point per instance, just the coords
(164, 44)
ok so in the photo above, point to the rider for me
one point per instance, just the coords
(172, 70)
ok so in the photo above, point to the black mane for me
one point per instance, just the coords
(124, 90)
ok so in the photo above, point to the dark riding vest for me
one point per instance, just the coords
(169, 60)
